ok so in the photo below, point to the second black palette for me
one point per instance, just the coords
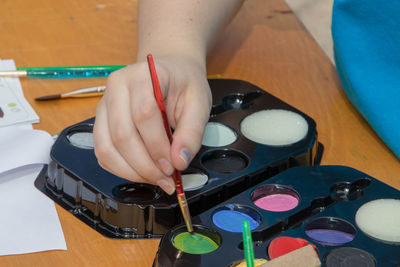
(233, 158)
(351, 219)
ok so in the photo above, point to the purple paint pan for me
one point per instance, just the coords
(330, 231)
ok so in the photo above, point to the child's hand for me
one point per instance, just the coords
(129, 137)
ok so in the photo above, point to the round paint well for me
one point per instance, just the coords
(217, 135)
(81, 139)
(193, 181)
(242, 263)
(136, 193)
(274, 127)
(240, 101)
(203, 240)
(231, 217)
(224, 161)
(285, 244)
(380, 219)
(276, 198)
(330, 231)
(349, 257)
(350, 191)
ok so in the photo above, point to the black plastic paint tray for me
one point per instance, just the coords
(118, 208)
(335, 206)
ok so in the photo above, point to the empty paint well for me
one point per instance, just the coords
(217, 135)
(330, 231)
(277, 198)
(240, 101)
(81, 139)
(349, 257)
(136, 193)
(274, 127)
(203, 241)
(224, 161)
(380, 219)
(235, 101)
(194, 181)
(231, 217)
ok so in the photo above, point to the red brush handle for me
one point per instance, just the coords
(160, 103)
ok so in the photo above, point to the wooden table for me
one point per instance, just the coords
(265, 44)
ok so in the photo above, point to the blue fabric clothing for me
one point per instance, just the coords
(366, 36)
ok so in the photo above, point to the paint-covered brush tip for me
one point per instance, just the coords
(48, 97)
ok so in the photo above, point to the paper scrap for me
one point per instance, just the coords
(14, 108)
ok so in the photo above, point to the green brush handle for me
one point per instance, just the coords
(248, 244)
(70, 72)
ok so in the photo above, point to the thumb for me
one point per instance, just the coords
(188, 133)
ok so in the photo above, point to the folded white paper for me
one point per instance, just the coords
(28, 219)
(20, 146)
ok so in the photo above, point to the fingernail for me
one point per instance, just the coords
(166, 185)
(166, 167)
(185, 156)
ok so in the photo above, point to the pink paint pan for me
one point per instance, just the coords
(276, 198)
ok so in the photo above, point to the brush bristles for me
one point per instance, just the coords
(48, 97)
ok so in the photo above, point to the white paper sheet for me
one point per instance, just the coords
(28, 219)
(14, 109)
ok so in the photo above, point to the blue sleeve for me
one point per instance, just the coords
(366, 36)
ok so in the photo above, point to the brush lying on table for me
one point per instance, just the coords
(62, 72)
(91, 91)
(83, 92)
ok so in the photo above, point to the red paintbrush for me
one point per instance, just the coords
(180, 193)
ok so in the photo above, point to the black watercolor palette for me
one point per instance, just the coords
(328, 199)
(118, 208)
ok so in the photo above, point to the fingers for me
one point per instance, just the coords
(148, 121)
(124, 134)
(129, 135)
(120, 127)
(108, 157)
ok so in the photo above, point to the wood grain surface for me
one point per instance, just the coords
(265, 44)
